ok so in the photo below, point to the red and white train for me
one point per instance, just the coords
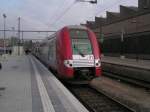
(73, 51)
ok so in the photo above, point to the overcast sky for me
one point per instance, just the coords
(54, 14)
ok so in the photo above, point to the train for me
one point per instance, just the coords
(73, 52)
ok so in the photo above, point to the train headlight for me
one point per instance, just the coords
(97, 63)
(68, 63)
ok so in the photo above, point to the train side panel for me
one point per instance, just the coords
(52, 53)
(64, 52)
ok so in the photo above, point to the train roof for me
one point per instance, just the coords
(77, 27)
(70, 27)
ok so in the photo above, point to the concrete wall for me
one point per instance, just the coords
(144, 4)
(132, 25)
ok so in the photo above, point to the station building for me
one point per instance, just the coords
(126, 32)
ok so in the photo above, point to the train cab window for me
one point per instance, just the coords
(80, 42)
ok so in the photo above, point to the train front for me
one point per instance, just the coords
(85, 60)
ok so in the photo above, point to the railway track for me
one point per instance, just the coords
(95, 101)
(133, 81)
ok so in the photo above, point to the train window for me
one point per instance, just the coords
(81, 46)
(52, 50)
(76, 33)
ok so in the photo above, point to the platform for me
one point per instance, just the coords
(27, 86)
(136, 63)
(135, 98)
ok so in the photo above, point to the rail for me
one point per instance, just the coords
(96, 101)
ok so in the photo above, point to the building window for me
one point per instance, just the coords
(146, 3)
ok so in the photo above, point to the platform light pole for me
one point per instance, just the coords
(101, 32)
(4, 39)
(13, 36)
(122, 42)
(18, 36)
(136, 41)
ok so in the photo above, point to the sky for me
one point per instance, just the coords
(53, 14)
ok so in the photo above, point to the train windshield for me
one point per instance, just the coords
(80, 42)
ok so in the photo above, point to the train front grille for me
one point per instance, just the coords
(84, 72)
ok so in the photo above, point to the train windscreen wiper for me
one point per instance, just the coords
(83, 55)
